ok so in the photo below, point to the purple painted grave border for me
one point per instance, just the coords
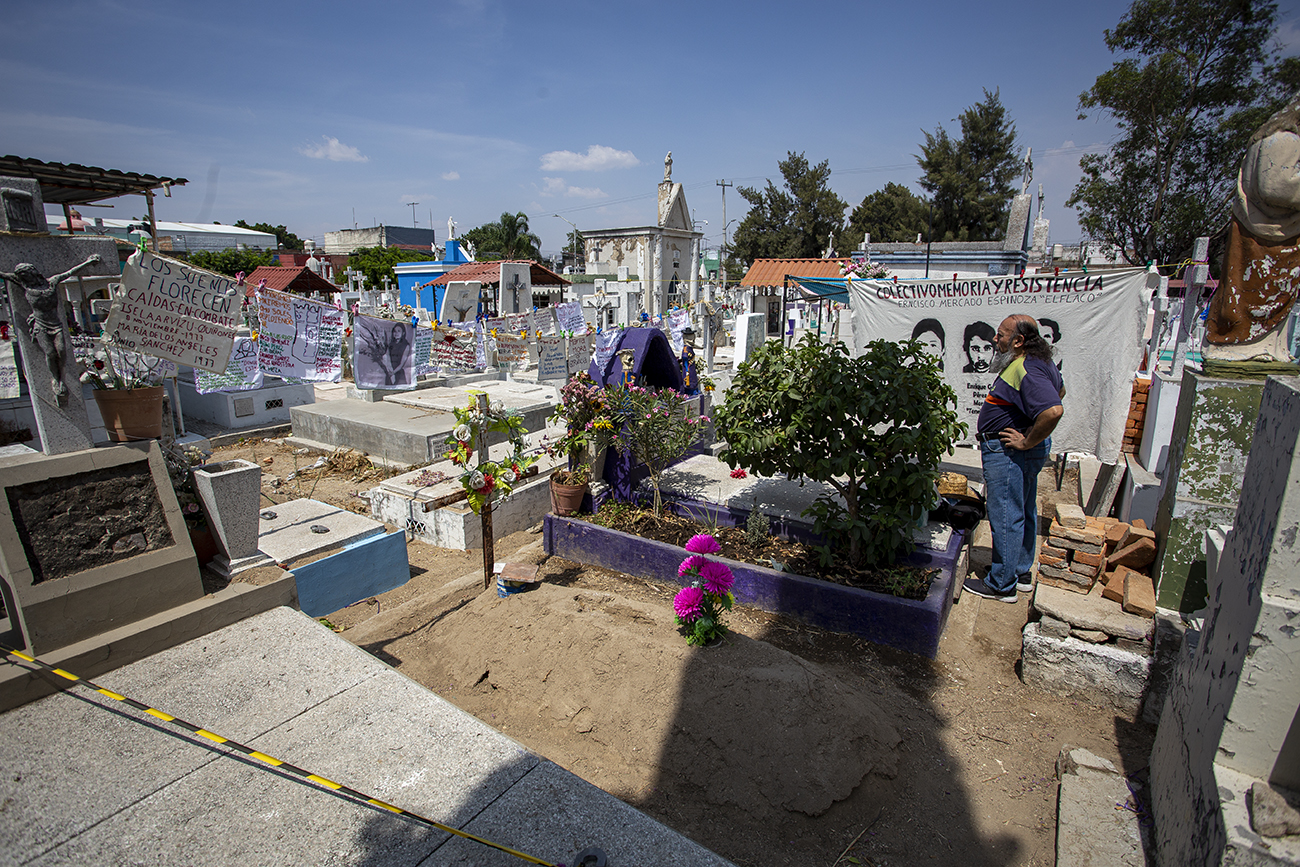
(905, 624)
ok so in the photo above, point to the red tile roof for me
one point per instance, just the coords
(772, 272)
(489, 274)
(301, 280)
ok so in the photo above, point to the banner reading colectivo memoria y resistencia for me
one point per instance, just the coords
(1093, 321)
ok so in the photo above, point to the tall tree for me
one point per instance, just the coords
(794, 222)
(508, 238)
(231, 262)
(377, 263)
(970, 179)
(1195, 79)
(893, 214)
(284, 238)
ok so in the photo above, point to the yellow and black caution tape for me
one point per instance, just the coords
(271, 760)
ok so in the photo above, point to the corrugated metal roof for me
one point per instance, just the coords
(489, 274)
(772, 272)
(301, 280)
(72, 184)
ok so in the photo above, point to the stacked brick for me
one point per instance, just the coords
(1137, 416)
(1081, 551)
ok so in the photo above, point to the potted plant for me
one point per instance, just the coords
(126, 391)
(587, 429)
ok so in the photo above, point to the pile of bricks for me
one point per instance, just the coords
(1137, 416)
(1080, 551)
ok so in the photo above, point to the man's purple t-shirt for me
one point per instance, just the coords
(1022, 391)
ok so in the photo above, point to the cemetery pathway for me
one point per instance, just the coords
(786, 745)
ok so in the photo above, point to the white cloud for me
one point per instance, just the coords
(451, 176)
(557, 187)
(586, 193)
(598, 158)
(1288, 35)
(334, 151)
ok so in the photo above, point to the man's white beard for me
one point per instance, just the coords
(1000, 361)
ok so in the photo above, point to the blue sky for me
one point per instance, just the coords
(307, 114)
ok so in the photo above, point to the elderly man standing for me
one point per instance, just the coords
(1015, 423)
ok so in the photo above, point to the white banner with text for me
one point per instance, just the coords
(1094, 323)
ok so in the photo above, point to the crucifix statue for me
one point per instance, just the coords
(43, 325)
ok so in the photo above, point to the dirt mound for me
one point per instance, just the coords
(750, 725)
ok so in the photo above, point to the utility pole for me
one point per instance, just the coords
(413, 222)
(722, 265)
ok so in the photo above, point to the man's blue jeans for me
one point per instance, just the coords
(1011, 492)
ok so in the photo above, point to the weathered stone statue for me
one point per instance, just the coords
(1247, 318)
(43, 325)
(668, 166)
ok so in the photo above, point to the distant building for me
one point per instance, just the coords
(346, 241)
(172, 237)
(666, 255)
(300, 281)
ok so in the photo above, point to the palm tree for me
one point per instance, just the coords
(516, 241)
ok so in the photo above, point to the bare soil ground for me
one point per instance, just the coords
(786, 745)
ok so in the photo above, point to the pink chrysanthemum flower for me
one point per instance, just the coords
(703, 543)
(692, 563)
(717, 577)
(687, 603)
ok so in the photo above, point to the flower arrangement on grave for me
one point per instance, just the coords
(863, 270)
(125, 372)
(487, 481)
(587, 428)
(698, 607)
(655, 428)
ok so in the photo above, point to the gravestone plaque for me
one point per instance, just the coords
(91, 541)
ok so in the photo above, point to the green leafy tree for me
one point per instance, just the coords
(1195, 80)
(893, 214)
(653, 427)
(231, 262)
(377, 263)
(508, 238)
(284, 238)
(970, 179)
(873, 428)
(796, 221)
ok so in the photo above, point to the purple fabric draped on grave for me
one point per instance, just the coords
(653, 366)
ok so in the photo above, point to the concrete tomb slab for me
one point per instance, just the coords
(287, 532)
(91, 541)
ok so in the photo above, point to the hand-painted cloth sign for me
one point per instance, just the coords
(1093, 321)
(519, 323)
(422, 354)
(580, 353)
(678, 322)
(569, 315)
(172, 310)
(550, 358)
(384, 353)
(242, 373)
(512, 351)
(300, 339)
(606, 341)
(8, 370)
(453, 349)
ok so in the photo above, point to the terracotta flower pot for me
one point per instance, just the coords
(567, 499)
(131, 414)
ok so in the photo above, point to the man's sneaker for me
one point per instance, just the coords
(1025, 583)
(979, 588)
